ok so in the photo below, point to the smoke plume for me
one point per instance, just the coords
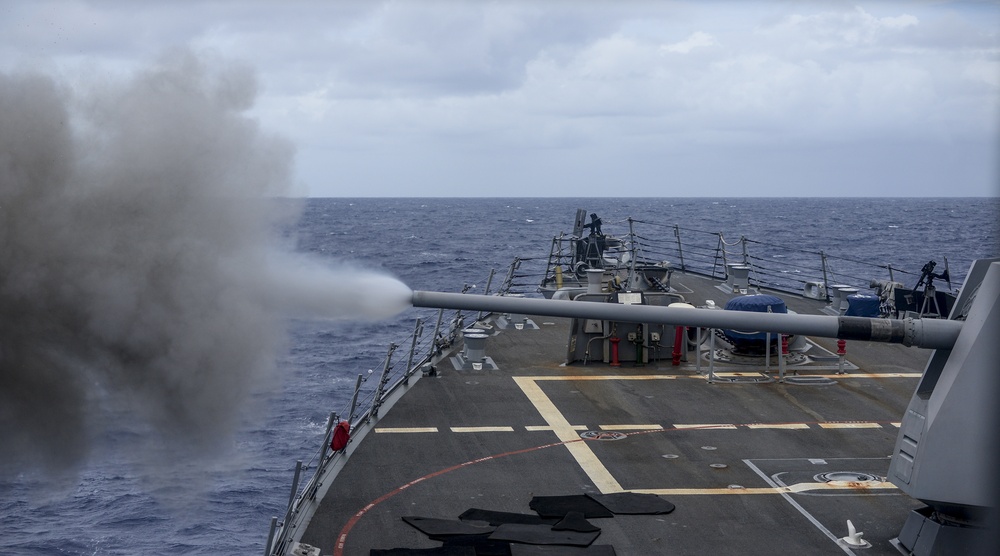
(140, 267)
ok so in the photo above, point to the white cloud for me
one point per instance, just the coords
(697, 39)
(899, 22)
(433, 89)
(833, 29)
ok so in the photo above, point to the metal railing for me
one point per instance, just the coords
(707, 253)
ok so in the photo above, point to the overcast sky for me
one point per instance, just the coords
(579, 98)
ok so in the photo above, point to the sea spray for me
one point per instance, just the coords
(142, 284)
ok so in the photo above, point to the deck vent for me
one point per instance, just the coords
(302, 549)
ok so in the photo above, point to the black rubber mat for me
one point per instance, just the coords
(559, 506)
(497, 518)
(483, 545)
(633, 503)
(437, 528)
(541, 534)
(533, 550)
(439, 551)
(574, 521)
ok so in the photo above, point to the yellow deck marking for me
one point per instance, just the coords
(850, 425)
(896, 424)
(482, 429)
(533, 428)
(742, 373)
(777, 426)
(798, 487)
(565, 432)
(877, 375)
(704, 426)
(630, 427)
(609, 377)
(405, 429)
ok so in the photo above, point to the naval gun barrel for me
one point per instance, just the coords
(924, 333)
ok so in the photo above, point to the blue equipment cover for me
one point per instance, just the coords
(862, 305)
(758, 303)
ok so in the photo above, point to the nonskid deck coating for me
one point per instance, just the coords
(738, 460)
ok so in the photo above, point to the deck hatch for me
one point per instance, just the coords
(847, 476)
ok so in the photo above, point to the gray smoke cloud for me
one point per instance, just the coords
(138, 274)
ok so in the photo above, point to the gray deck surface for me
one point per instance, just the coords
(768, 435)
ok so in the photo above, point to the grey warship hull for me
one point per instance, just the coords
(759, 453)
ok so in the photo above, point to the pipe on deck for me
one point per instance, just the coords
(924, 333)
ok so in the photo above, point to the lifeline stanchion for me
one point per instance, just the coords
(783, 349)
(711, 356)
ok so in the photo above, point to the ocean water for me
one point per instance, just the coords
(114, 506)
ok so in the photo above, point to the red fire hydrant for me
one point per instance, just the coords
(841, 354)
(614, 351)
(678, 338)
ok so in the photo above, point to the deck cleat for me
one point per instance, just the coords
(853, 538)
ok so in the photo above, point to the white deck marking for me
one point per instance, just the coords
(565, 432)
(796, 505)
(776, 489)
(630, 427)
(482, 429)
(405, 429)
(706, 426)
(534, 428)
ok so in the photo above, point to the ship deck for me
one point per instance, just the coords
(742, 461)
